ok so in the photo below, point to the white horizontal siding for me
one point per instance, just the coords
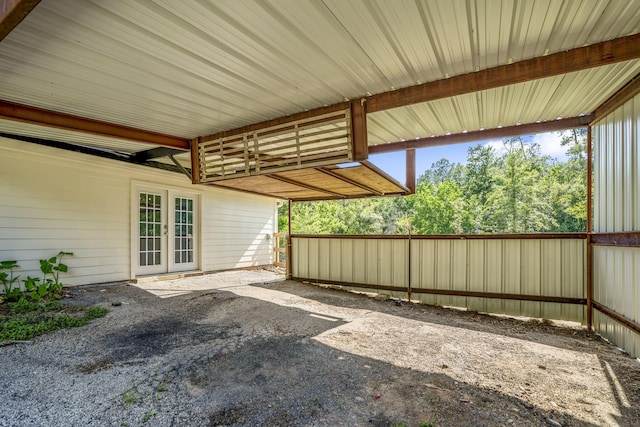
(52, 200)
(548, 267)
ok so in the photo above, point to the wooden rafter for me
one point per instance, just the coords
(39, 116)
(582, 58)
(480, 135)
(307, 186)
(12, 12)
(349, 181)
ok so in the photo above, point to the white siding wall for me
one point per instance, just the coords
(52, 200)
(616, 270)
(545, 267)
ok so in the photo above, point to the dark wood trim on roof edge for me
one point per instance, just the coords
(480, 135)
(42, 117)
(628, 239)
(634, 326)
(628, 91)
(12, 12)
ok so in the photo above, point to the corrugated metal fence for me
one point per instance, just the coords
(526, 275)
(616, 264)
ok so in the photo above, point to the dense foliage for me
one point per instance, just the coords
(512, 190)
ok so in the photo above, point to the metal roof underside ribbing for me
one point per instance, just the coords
(163, 73)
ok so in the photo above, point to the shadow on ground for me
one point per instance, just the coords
(311, 356)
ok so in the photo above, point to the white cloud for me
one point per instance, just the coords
(550, 145)
(497, 145)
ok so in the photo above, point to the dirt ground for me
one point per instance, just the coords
(245, 348)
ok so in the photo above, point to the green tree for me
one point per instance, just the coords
(518, 203)
(439, 209)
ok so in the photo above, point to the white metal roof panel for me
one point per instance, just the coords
(200, 67)
(569, 95)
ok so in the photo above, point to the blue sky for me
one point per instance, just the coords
(394, 163)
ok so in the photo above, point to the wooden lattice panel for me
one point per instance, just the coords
(316, 141)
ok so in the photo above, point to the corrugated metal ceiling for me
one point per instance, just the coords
(199, 67)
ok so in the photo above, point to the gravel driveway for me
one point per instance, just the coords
(247, 348)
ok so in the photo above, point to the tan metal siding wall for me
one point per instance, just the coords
(616, 278)
(528, 266)
(514, 266)
(616, 150)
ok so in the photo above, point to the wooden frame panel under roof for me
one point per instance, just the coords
(324, 183)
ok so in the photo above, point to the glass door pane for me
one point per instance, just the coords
(183, 250)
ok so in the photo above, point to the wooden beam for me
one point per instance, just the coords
(12, 12)
(481, 135)
(629, 91)
(578, 59)
(195, 161)
(303, 185)
(39, 116)
(411, 169)
(349, 181)
(359, 135)
(628, 239)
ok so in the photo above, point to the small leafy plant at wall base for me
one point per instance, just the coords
(53, 267)
(7, 279)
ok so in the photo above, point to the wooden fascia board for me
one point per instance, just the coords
(39, 116)
(578, 59)
(481, 135)
(629, 91)
(12, 12)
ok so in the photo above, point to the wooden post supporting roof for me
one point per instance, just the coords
(411, 170)
(359, 130)
(12, 12)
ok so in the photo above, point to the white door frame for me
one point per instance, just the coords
(168, 241)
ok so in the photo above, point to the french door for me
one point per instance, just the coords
(167, 232)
